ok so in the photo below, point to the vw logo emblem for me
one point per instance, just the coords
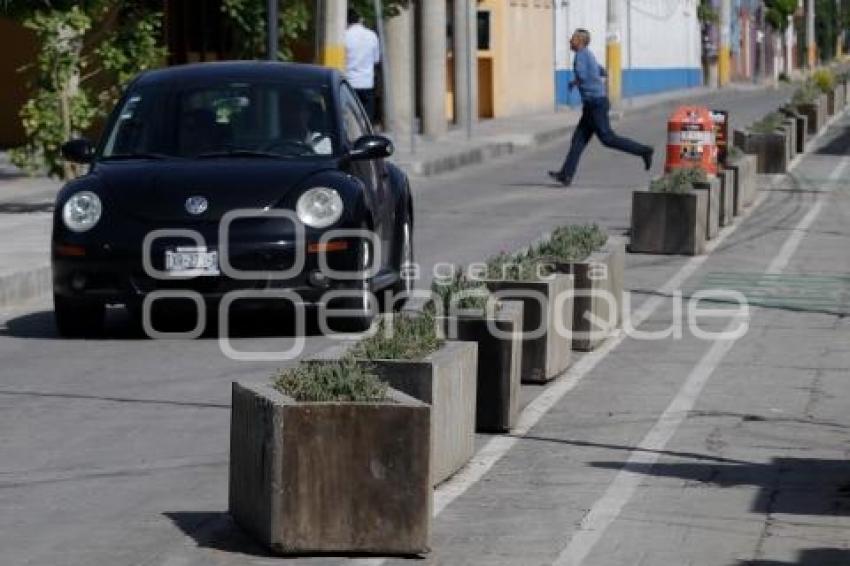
(197, 205)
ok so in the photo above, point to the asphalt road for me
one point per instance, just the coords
(114, 452)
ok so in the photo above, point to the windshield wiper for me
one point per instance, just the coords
(118, 156)
(239, 153)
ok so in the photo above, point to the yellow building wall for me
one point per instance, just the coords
(19, 49)
(522, 53)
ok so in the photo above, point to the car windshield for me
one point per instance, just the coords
(235, 119)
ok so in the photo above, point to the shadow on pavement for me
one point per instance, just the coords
(792, 486)
(809, 557)
(839, 145)
(217, 531)
(244, 323)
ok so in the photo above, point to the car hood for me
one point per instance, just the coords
(157, 192)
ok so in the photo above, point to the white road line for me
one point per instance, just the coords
(780, 262)
(608, 507)
(620, 491)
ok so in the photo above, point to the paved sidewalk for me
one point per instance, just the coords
(25, 212)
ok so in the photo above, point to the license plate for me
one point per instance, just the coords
(191, 262)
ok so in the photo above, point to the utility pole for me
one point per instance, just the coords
(388, 106)
(614, 52)
(332, 53)
(839, 34)
(810, 34)
(724, 56)
(271, 25)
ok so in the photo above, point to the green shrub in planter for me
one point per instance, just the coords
(521, 266)
(824, 80)
(806, 94)
(473, 294)
(401, 336)
(768, 124)
(596, 264)
(678, 181)
(341, 381)
(571, 243)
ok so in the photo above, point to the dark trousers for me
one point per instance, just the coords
(594, 120)
(367, 99)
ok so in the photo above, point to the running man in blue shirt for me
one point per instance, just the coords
(589, 78)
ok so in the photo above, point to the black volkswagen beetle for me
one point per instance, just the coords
(229, 177)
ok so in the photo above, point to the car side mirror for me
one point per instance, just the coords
(79, 150)
(371, 147)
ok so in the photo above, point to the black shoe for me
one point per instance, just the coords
(647, 159)
(560, 178)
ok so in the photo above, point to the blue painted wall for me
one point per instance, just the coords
(636, 82)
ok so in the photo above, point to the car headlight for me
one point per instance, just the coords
(319, 207)
(82, 211)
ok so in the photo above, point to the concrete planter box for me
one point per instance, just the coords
(546, 323)
(835, 100)
(789, 126)
(669, 223)
(601, 272)
(712, 190)
(447, 381)
(499, 366)
(330, 477)
(815, 115)
(727, 196)
(801, 128)
(770, 149)
(745, 182)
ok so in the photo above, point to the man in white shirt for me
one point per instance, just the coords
(362, 53)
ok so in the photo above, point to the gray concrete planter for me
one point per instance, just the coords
(727, 196)
(815, 114)
(600, 273)
(789, 126)
(330, 477)
(669, 223)
(546, 322)
(447, 380)
(499, 366)
(713, 192)
(835, 100)
(745, 181)
(801, 128)
(770, 149)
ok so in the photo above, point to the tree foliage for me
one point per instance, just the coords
(778, 11)
(74, 48)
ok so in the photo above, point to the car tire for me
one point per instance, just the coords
(78, 318)
(406, 282)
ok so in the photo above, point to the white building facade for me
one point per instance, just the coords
(660, 42)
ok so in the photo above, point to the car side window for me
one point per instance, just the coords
(352, 121)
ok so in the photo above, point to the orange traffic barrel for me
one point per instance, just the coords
(691, 141)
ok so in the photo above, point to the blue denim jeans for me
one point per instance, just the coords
(594, 120)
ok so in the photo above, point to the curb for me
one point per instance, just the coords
(25, 286)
